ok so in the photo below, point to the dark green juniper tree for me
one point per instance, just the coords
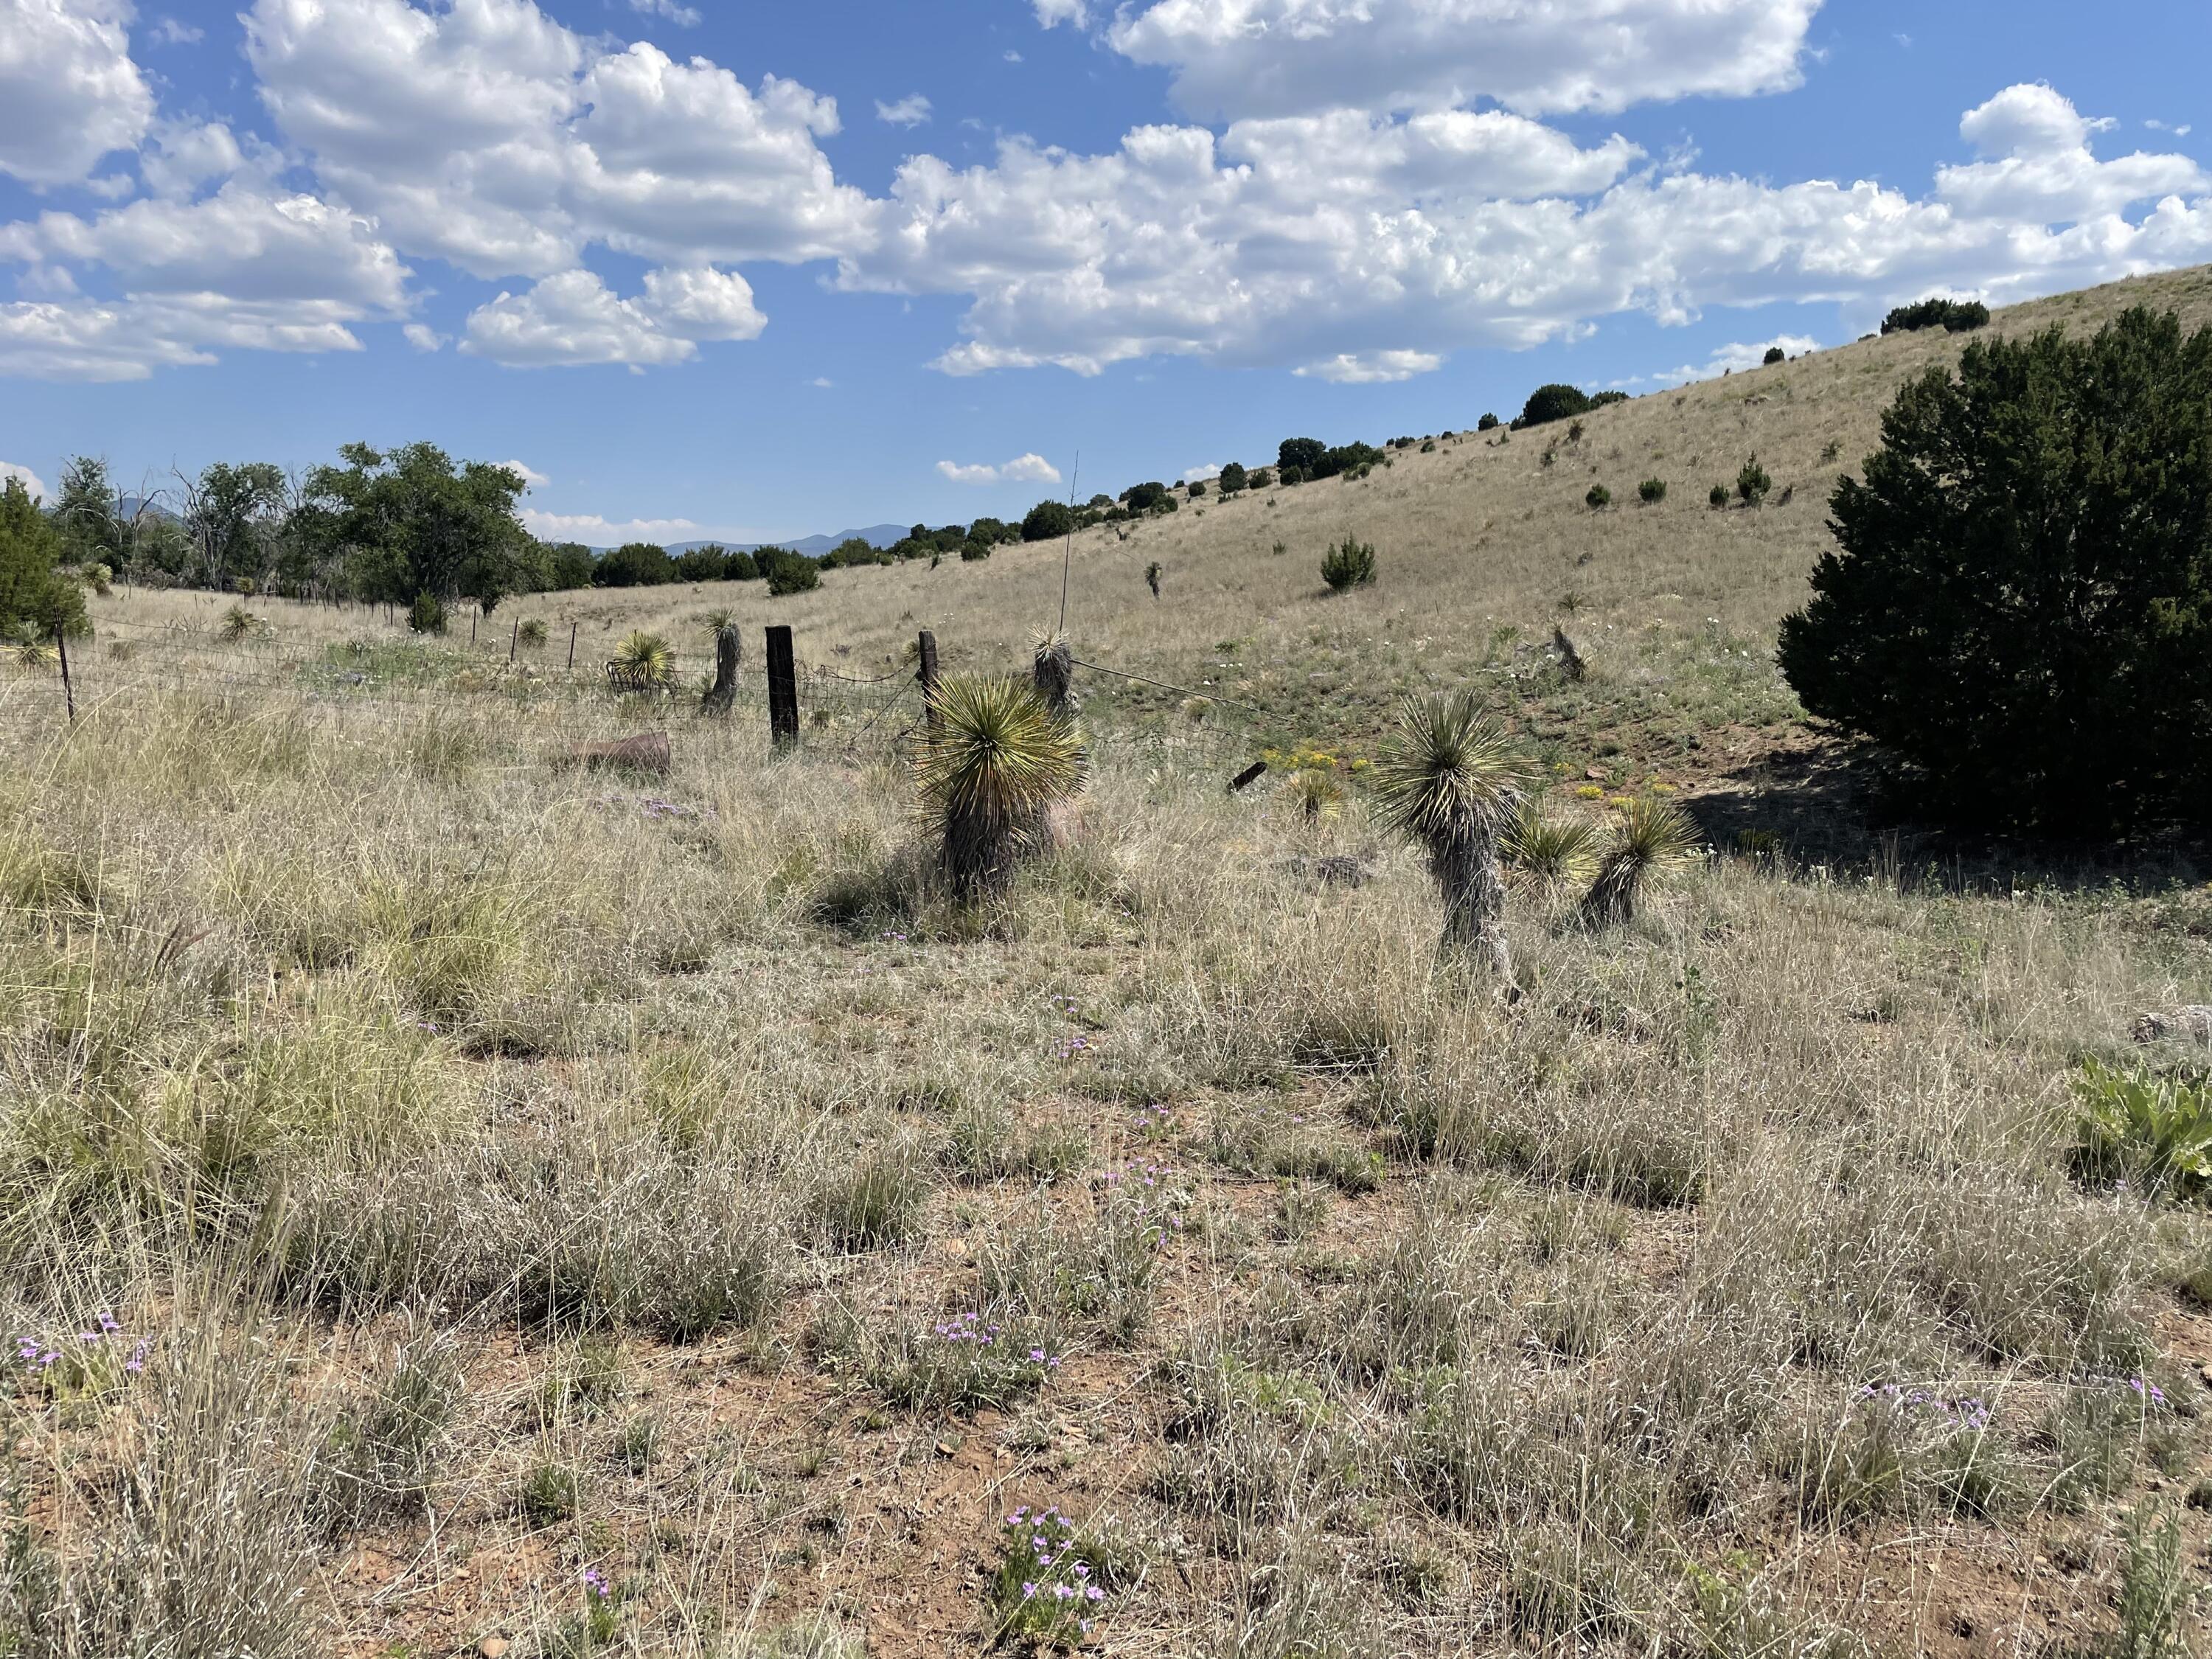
(2018, 611)
(36, 601)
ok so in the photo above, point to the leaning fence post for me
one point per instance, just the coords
(782, 689)
(571, 644)
(925, 647)
(514, 639)
(68, 691)
(1250, 775)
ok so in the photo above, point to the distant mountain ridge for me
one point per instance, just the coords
(877, 535)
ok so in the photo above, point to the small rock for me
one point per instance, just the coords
(492, 1646)
(2191, 1024)
(946, 1449)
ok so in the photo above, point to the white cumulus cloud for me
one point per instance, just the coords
(598, 531)
(1360, 246)
(1023, 469)
(529, 475)
(69, 92)
(1234, 57)
(1372, 367)
(573, 319)
(685, 17)
(422, 337)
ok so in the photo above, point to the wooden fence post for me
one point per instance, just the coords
(782, 689)
(473, 616)
(926, 648)
(1250, 775)
(68, 691)
(571, 644)
(514, 639)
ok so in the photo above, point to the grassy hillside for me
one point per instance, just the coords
(452, 1202)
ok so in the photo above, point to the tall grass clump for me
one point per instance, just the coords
(994, 760)
(1453, 780)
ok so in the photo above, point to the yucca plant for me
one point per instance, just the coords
(1454, 780)
(240, 625)
(991, 763)
(1653, 839)
(1316, 790)
(716, 620)
(33, 653)
(1551, 854)
(2136, 1123)
(645, 658)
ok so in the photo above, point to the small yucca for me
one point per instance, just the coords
(991, 764)
(531, 634)
(1316, 790)
(1454, 780)
(646, 657)
(1552, 853)
(1653, 839)
(239, 625)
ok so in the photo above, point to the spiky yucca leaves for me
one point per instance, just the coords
(1653, 839)
(646, 656)
(1454, 780)
(990, 765)
(240, 626)
(1552, 853)
(1316, 790)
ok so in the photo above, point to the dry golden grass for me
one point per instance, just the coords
(501, 1172)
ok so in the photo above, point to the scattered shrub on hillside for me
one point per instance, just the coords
(975, 552)
(1602, 399)
(1347, 565)
(787, 572)
(532, 634)
(2020, 610)
(1774, 354)
(1453, 780)
(1429, 446)
(635, 564)
(1718, 496)
(993, 762)
(1234, 478)
(1752, 484)
(427, 615)
(1575, 430)
(1652, 491)
(1555, 402)
(1300, 455)
(1048, 521)
(710, 563)
(1485, 423)
(1197, 488)
(1598, 498)
(1953, 316)
(1263, 478)
(1152, 577)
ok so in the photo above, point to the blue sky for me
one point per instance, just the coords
(752, 270)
